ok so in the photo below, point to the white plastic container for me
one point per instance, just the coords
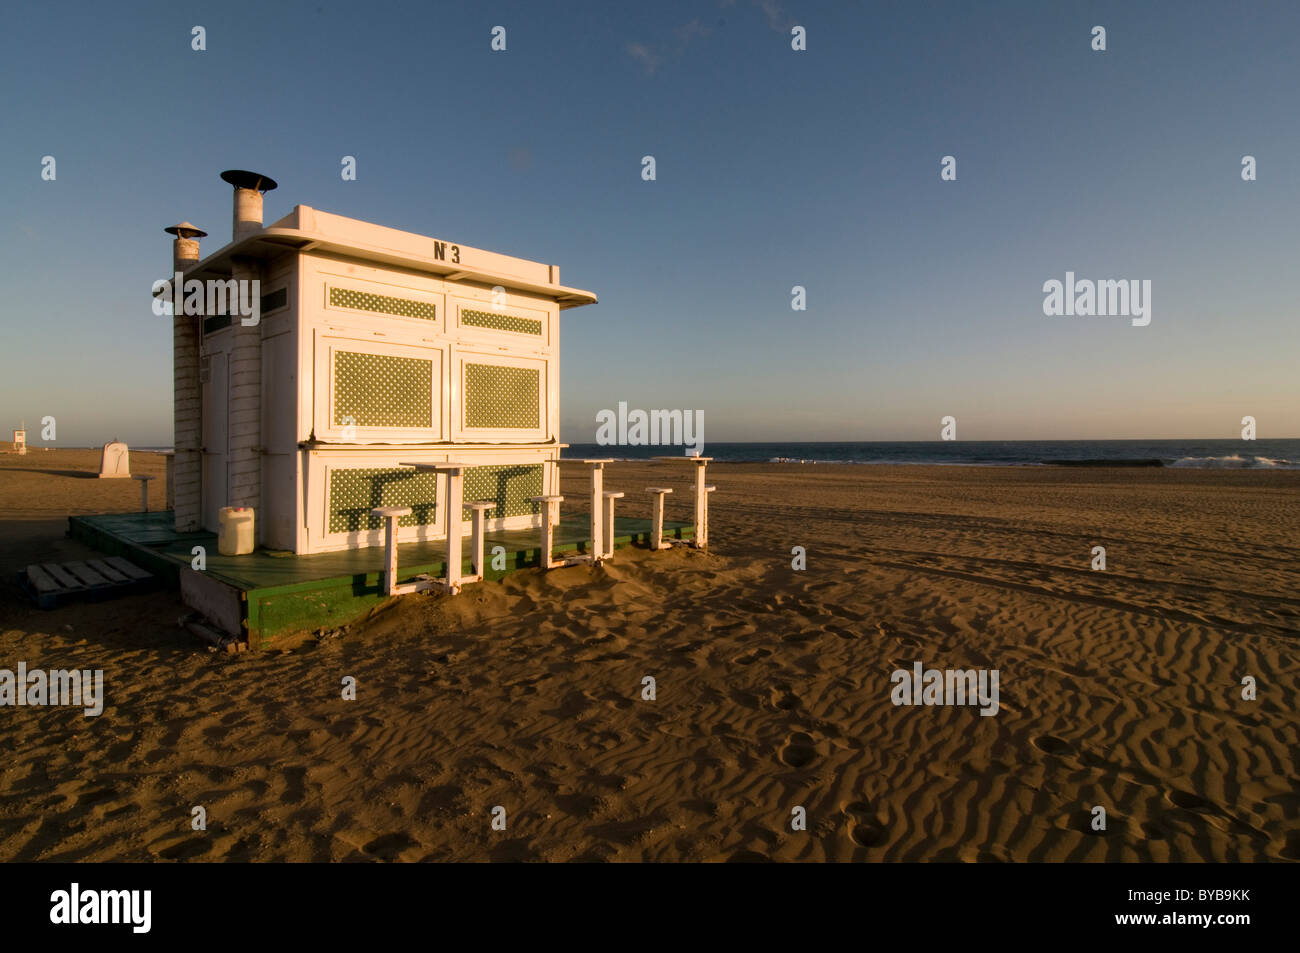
(235, 536)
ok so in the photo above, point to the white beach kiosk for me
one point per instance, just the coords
(375, 350)
(345, 386)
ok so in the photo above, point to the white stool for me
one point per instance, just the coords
(702, 524)
(657, 517)
(701, 540)
(610, 497)
(144, 491)
(480, 508)
(550, 519)
(390, 516)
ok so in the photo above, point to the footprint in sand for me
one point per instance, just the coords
(1292, 849)
(1050, 744)
(389, 846)
(580, 804)
(799, 750)
(184, 850)
(749, 857)
(98, 796)
(575, 705)
(785, 700)
(701, 806)
(865, 829)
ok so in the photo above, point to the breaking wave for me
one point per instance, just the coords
(1237, 461)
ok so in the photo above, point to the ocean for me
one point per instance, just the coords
(1202, 454)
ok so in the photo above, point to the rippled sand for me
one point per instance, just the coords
(1119, 689)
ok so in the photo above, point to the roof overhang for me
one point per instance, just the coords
(276, 240)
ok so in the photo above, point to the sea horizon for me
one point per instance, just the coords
(1273, 454)
(1220, 454)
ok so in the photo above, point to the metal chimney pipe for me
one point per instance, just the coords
(249, 187)
(185, 481)
(244, 398)
(185, 249)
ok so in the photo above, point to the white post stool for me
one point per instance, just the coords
(144, 491)
(550, 519)
(390, 516)
(608, 542)
(657, 517)
(702, 490)
(702, 527)
(480, 508)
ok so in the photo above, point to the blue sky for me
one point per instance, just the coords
(775, 168)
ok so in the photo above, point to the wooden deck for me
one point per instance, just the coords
(266, 594)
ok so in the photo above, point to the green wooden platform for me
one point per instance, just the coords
(268, 594)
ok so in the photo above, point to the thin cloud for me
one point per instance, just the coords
(644, 55)
(651, 58)
(776, 17)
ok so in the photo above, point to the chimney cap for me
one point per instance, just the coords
(248, 180)
(186, 230)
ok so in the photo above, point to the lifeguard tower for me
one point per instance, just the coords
(374, 347)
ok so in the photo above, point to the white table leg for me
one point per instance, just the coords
(477, 539)
(608, 542)
(597, 512)
(701, 509)
(390, 554)
(657, 518)
(548, 536)
(455, 496)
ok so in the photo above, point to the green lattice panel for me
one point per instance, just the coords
(508, 486)
(354, 493)
(380, 390)
(500, 322)
(383, 304)
(497, 396)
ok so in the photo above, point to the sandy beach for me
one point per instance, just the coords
(1120, 689)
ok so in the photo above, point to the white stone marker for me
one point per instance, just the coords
(115, 461)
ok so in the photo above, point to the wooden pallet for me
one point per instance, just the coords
(49, 584)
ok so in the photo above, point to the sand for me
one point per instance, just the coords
(1119, 689)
